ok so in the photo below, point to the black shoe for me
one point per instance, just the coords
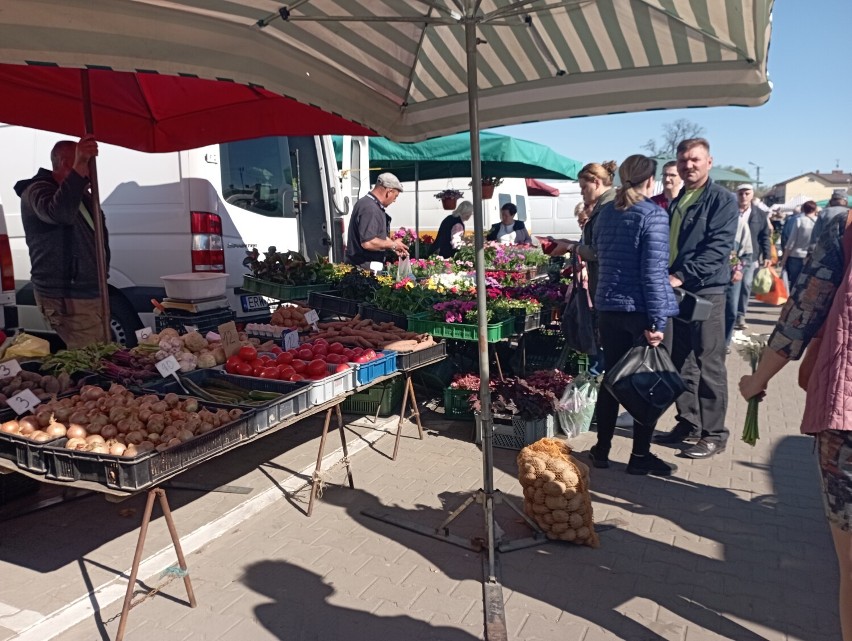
(649, 464)
(704, 449)
(598, 460)
(678, 435)
(740, 324)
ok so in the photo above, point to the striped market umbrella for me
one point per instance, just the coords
(414, 69)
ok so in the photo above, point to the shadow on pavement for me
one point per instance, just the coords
(302, 608)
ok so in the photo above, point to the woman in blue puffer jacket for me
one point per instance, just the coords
(633, 297)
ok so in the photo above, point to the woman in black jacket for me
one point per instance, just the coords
(509, 231)
(451, 231)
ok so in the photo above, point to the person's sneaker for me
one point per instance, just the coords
(740, 324)
(599, 460)
(649, 464)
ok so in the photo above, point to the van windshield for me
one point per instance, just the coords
(257, 175)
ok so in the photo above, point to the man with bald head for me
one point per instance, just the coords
(56, 211)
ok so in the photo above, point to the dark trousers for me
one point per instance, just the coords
(732, 303)
(698, 351)
(794, 268)
(619, 332)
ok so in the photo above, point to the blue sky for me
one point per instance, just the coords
(805, 126)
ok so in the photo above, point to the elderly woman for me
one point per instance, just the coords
(509, 231)
(451, 232)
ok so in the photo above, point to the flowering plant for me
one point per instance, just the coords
(547, 293)
(751, 349)
(449, 193)
(405, 235)
(489, 180)
(427, 239)
(457, 284)
(458, 311)
(404, 297)
(514, 396)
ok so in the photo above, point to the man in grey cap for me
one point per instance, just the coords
(369, 226)
(761, 243)
(837, 206)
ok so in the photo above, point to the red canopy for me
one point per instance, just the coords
(155, 113)
(538, 188)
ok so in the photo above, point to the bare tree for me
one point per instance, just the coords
(673, 133)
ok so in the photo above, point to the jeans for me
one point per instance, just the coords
(705, 402)
(794, 268)
(619, 332)
(745, 291)
(732, 302)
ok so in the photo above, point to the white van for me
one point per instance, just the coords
(554, 215)
(191, 211)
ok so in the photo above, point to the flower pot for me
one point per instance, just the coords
(449, 203)
(487, 191)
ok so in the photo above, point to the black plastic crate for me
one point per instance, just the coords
(527, 323)
(27, 454)
(333, 303)
(204, 321)
(381, 316)
(116, 472)
(294, 396)
(406, 361)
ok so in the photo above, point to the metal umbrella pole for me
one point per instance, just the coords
(97, 215)
(417, 208)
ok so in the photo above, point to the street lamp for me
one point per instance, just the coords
(757, 181)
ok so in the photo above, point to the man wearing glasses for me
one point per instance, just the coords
(671, 185)
(369, 226)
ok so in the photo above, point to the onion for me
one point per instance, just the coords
(43, 417)
(10, 427)
(234, 414)
(160, 407)
(98, 448)
(115, 389)
(62, 414)
(76, 431)
(28, 425)
(156, 424)
(92, 392)
(79, 417)
(185, 435)
(117, 449)
(130, 451)
(171, 399)
(40, 437)
(56, 429)
(191, 405)
(145, 414)
(95, 438)
(76, 444)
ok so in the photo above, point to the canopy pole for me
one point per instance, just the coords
(481, 295)
(417, 209)
(97, 215)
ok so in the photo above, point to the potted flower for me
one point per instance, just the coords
(449, 198)
(488, 185)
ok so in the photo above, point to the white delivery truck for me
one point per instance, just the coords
(554, 215)
(192, 211)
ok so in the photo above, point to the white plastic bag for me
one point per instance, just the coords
(403, 269)
(577, 406)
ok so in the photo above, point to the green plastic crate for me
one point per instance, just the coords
(282, 292)
(422, 324)
(456, 403)
(383, 399)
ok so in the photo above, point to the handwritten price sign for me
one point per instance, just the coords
(142, 334)
(312, 318)
(168, 367)
(23, 401)
(9, 369)
(230, 338)
(291, 340)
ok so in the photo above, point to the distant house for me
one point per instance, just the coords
(811, 186)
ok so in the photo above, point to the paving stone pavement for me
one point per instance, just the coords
(735, 547)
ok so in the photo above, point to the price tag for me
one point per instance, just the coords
(291, 340)
(190, 328)
(9, 368)
(142, 334)
(230, 338)
(168, 367)
(23, 401)
(312, 318)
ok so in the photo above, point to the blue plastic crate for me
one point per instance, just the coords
(381, 366)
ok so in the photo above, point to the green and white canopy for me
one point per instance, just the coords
(398, 66)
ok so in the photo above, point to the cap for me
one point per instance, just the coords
(745, 186)
(389, 181)
(839, 194)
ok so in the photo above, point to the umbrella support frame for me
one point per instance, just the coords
(154, 493)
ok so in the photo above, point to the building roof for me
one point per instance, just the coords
(835, 177)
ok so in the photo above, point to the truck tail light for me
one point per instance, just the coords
(7, 272)
(208, 250)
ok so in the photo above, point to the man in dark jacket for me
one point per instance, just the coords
(56, 211)
(702, 232)
(761, 243)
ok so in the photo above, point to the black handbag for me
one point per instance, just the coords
(645, 382)
(578, 323)
(692, 308)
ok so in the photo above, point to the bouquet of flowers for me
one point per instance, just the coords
(407, 236)
(751, 349)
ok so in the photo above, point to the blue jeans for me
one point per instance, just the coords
(732, 302)
(794, 268)
(745, 289)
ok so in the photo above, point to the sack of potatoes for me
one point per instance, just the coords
(556, 491)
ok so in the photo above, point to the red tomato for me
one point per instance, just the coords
(334, 359)
(320, 341)
(265, 360)
(294, 351)
(269, 372)
(276, 350)
(284, 358)
(299, 365)
(320, 351)
(336, 348)
(295, 378)
(243, 369)
(317, 367)
(348, 353)
(231, 364)
(342, 368)
(362, 359)
(247, 353)
(306, 354)
(285, 372)
(256, 370)
(258, 362)
(358, 351)
(371, 354)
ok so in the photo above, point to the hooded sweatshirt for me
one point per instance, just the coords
(61, 241)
